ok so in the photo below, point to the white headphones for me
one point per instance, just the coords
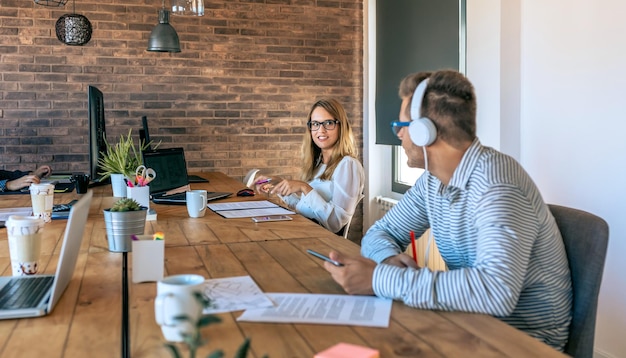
(422, 130)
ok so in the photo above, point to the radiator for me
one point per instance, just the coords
(435, 262)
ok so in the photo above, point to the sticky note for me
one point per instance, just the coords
(347, 350)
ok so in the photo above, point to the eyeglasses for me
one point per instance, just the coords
(328, 124)
(396, 126)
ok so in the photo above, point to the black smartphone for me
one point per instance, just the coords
(325, 258)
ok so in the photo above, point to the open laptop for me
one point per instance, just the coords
(48, 288)
(171, 180)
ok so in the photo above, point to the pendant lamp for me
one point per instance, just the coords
(188, 7)
(163, 37)
(73, 29)
(52, 3)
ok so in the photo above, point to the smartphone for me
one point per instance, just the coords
(262, 219)
(323, 257)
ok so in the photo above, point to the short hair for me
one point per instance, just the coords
(449, 101)
(345, 146)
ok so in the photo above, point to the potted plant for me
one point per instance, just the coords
(120, 161)
(125, 218)
(194, 340)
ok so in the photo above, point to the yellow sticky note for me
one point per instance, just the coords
(347, 350)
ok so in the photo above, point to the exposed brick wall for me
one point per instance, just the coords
(235, 98)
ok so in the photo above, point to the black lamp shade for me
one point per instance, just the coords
(163, 37)
(73, 29)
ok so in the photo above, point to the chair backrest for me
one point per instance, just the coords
(347, 227)
(586, 238)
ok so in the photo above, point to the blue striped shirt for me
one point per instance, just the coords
(504, 252)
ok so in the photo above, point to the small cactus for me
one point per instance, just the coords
(126, 204)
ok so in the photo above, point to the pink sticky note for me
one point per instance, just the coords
(347, 350)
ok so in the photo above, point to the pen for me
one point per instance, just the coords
(265, 181)
(414, 246)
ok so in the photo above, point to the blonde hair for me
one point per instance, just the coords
(345, 146)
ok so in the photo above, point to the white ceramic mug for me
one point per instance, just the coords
(24, 236)
(42, 198)
(176, 298)
(196, 203)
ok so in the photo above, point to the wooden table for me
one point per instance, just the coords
(87, 320)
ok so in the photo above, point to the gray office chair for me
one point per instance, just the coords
(585, 237)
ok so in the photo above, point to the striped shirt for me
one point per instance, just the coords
(498, 238)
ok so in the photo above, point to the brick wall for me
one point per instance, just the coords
(235, 98)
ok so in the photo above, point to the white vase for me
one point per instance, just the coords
(118, 185)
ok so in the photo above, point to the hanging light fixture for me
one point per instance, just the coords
(51, 3)
(188, 7)
(73, 29)
(163, 37)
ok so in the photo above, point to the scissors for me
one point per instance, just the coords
(144, 175)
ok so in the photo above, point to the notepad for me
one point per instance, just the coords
(347, 350)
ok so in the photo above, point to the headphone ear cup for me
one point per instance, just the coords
(422, 132)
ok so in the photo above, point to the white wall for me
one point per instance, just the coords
(573, 125)
(550, 78)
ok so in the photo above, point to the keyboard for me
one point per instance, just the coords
(24, 292)
(63, 207)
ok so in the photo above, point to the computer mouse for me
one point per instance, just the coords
(245, 192)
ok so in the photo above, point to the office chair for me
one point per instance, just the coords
(248, 180)
(585, 237)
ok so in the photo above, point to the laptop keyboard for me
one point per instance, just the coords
(24, 292)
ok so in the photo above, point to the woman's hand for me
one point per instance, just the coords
(43, 171)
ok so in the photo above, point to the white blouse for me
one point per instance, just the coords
(332, 202)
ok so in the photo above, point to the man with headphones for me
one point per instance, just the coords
(504, 252)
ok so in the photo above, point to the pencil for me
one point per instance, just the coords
(414, 246)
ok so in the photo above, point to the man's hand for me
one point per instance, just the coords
(355, 276)
(22, 182)
(401, 260)
(43, 171)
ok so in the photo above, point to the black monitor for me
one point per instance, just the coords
(97, 132)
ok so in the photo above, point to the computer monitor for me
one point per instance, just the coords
(97, 132)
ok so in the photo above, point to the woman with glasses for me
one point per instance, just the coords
(332, 178)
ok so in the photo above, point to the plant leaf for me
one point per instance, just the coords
(242, 352)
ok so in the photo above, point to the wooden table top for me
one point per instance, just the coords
(87, 320)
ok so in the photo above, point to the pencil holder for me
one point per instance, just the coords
(141, 194)
(148, 259)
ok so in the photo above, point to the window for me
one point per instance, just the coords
(404, 177)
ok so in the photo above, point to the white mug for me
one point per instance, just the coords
(176, 297)
(196, 203)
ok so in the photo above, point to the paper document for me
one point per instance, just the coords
(234, 294)
(323, 309)
(247, 209)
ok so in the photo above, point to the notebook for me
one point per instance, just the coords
(171, 180)
(57, 283)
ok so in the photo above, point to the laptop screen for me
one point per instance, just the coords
(170, 167)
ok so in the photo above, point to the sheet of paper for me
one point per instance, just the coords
(6, 212)
(248, 209)
(234, 294)
(323, 309)
(242, 205)
(232, 214)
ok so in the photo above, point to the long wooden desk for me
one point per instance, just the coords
(87, 320)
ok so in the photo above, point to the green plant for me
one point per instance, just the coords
(194, 341)
(126, 204)
(123, 157)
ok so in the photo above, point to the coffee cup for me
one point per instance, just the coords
(24, 236)
(42, 198)
(177, 297)
(196, 203)
(81, 181)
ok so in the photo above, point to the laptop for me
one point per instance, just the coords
(48, 287)
(171, 180)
